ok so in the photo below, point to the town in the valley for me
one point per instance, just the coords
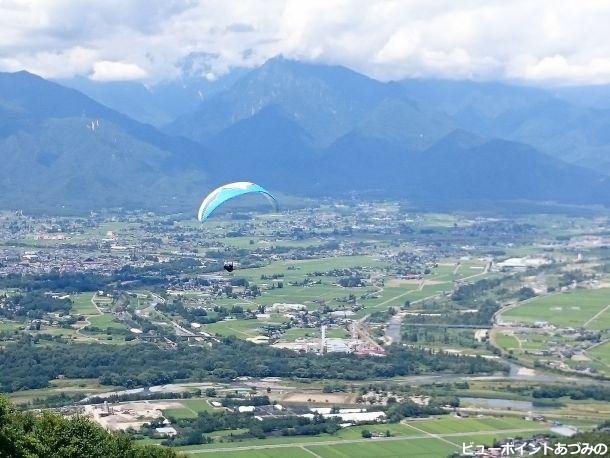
(340, 326)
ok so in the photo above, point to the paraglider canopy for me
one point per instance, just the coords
(228, 191)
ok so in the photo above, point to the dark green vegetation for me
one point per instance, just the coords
(193, 431)
(598, 393)
(60, 148)
(32, 305)
(79, 282)
(32, 366)
(471, 304)
(56, 282)
(26, 435)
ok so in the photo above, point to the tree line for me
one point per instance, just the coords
(28, 365)
(24, 434)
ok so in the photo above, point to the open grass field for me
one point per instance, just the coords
(387, 449)
(8, 326)
(190, 408)
(577, 308)
(394, 294)
(293, 452)
(106, 321)
(82, 304)
(447, 425)
(601, 355)
(601, 321)
(297, 270)
(531, 341)
(244, 242)
(298, 294)
(428, 438)
(198, 405)
(280, 440)
(506, 341)
(601, 351)
(68, 386)
(179, 413)
(418, 444)
(244, 329)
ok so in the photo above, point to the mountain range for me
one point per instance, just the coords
(299, 128)
(59, 148)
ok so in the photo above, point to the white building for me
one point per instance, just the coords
(166, 431)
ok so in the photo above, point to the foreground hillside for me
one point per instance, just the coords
(51, 435)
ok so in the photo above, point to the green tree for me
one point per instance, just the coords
(25, 435)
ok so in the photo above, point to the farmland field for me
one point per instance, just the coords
(243, 329)
(601, 353)
(82, 304)
(507, 341)
(446, 436)
(9, 325)
(572, 309)
(106, 321)
(190, 408)
(393, 447)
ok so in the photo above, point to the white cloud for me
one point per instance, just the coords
(557, 69)
(117, 71)
(543, 41)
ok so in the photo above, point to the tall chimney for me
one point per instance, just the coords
(323, 339)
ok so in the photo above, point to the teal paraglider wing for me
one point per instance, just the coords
(227, 192)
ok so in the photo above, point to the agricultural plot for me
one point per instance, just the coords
(293, 452)
(198, 405)
(582, 307)
(447, 425)
(297, 270)
(244, 329)
(532, 341)
(395, 429)
(67, 386)
(507, 341)
(469, 268)
(297, 294)
(106, 321)
(387, 449)
(179, 413)
(390, 297)
(601, 351)
(601, 357)
(245, 242)
(284, 441)
(190, 409)
(9, 326)
(426, 438)
(82, 304)
(601, 321)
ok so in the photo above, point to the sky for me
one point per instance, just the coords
(542, 42)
